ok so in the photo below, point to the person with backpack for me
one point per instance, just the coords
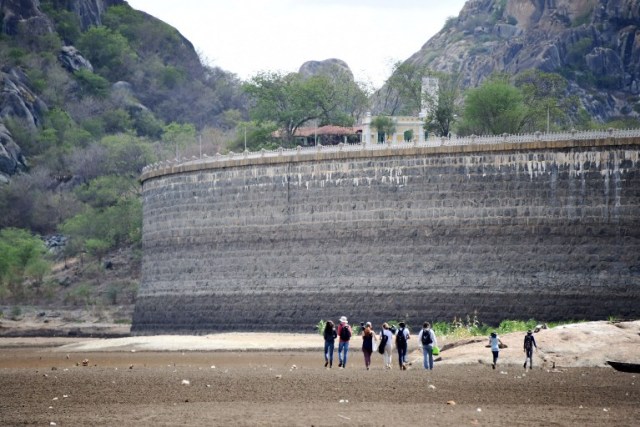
(428, 339)
(368, 337)
(330, 336)
(529, 343)
(386, 345)
(402, 336)
(344, 335)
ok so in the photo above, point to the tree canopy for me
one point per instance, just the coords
(292, 100)
(494, 108)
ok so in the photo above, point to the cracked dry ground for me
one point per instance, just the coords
(293, 388)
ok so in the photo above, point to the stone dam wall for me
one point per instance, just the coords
(544, 230)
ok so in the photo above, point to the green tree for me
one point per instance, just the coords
(92, 84)
(108, 51)
(116, 120)
(22, 257)
(259, 135)
(385, 126)
(494, 108)
(285, 99)
(125, 154)
(99, 230)
(443, 107)
(106, 190)
(545, 95)
(291, 100)
(402, 94)
(179, 136)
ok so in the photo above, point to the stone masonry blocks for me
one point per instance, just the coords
(547, 232)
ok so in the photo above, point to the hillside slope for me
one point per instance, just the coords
(91, 58)
(594, 44)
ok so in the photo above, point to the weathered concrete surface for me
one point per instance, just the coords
(548, 231)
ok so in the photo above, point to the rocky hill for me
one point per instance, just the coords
(89, 57)
(594, 44)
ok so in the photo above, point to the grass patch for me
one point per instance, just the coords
(470, 327)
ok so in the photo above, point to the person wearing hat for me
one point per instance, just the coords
(529, 343)
(494, 343)
(344, 335)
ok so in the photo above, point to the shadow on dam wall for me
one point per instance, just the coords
(545, 230)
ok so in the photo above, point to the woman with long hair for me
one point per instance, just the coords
(386, 345)
(330, 336)
(368, 336)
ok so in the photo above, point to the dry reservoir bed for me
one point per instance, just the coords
(39, 386)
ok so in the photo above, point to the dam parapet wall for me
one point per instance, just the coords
(544, 229)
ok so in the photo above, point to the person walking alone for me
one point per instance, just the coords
(495, 343)
(344, 334)
(529, 343)
(428, 339)
(402, 336)
(368, 336)
(330, 334)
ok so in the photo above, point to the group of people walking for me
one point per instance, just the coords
(384, 342)
(390, 337)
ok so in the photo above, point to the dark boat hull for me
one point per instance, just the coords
(625, 367)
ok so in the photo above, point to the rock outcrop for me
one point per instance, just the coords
(72, 60)
(594, 44)
(25, 16)
(19, 103)
(328, 66)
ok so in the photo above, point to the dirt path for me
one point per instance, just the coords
(293, 388)
(279, 379)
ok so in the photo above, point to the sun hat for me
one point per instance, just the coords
(343, 319)
(529, 332)
(368, 324)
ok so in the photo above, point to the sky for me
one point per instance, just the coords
(248, 36)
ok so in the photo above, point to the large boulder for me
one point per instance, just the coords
(327, 67)
(18, 101)
(23, 16)
(72, 60)
(11, 158)
(20, 104)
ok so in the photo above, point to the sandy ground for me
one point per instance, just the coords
(279, 379)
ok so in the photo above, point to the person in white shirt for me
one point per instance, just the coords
(386, 345)
(494, 343)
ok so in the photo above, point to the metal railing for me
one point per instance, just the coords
(432, 142)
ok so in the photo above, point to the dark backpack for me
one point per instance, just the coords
(383, 343)
(426, 337)
(401, 339)
(345, 333)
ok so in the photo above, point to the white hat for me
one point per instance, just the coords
(343, 319)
